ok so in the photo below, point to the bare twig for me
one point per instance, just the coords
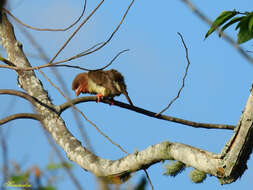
(74, 33)
(7, 62)
(78, 55)
(224, 35)
(26, 96)
(70, 66)
(18, 93)
(20, 116)
(62, 65)
(85, 69)
(149, 180)
(104, 43)
(183, 81)
(111, 62)
(48, 29)
(75, 101)
(10, 67)
(13, 67)
(113, 33)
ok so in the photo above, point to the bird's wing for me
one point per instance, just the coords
(117, 79)
(104, 79)
(98, 77)
(119, 82)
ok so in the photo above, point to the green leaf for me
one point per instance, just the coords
(222, 18)
(244, 21)
(250, 23)
(234, 20)
(244, 33)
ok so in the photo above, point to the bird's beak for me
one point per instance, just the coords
(78, 91)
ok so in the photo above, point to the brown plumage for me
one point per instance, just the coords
(102, 83)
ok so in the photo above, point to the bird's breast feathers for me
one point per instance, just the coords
(94, 88)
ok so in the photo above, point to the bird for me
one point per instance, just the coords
(103, 83)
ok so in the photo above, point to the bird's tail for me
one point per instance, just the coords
(128, 98)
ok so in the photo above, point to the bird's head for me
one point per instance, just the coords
(80, 83)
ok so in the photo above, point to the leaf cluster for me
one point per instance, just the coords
(227, 18)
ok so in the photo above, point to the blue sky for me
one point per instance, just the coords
(216, 90)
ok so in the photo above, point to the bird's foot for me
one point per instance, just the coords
(99, 97)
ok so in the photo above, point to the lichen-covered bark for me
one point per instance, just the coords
(239, 148)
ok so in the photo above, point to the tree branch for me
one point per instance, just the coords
(199, 159)
(20, 116)
(75, 101)
(26, 96)
(238, 149)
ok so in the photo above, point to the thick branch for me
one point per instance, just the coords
(238, 149)
(200, 159)
(20, 116)
(67, 105)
